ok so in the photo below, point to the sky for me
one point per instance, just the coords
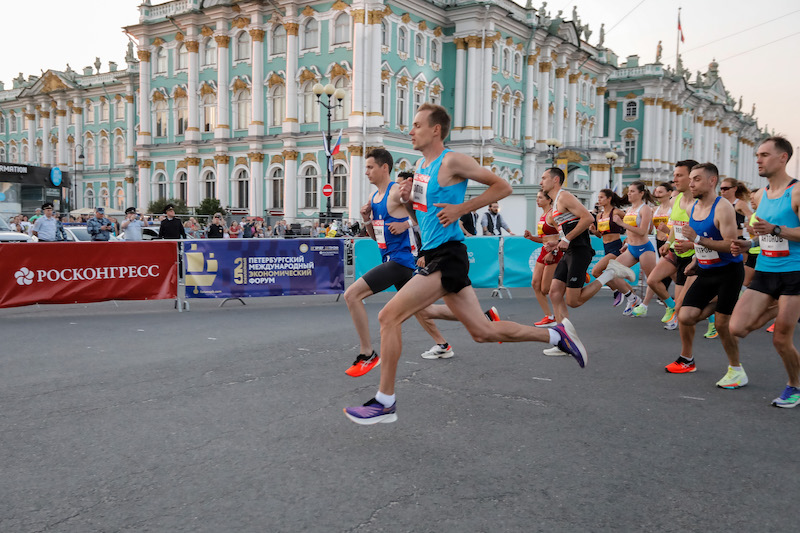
(755, 44)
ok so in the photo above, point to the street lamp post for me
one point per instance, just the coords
(334, 100)
(611, 157)
(78, 168)
(552, 147)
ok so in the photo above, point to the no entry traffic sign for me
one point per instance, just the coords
(327, 190)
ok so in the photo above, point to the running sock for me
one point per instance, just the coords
(690, 359)
(444, 346)
(605, 277)
(737, 367)
(555, 337)
(631, 297)
(386, 399)
(712, 319)
(669, 302)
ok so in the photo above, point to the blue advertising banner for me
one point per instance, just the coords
(245, 268)
(366, 256)
(484, 261)
(519, 258)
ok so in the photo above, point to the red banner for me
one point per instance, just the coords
(80, 272)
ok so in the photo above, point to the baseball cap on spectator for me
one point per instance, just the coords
(101, 210)
(130, 210)
(47, 205)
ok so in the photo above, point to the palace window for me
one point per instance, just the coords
(341, 29)
(181, 115)
(278, 105)
(242, 106)
(241, 184)
(402, 106)
(631, 109)
(435, 52)
(209, 104)
(402, 40)
(209, 52)
(2, 123)
(276, 180)
(385, 33)
(183, 185)
(160, 118)
(12, 154)
(517, 65)
(339, 186)
(160, 186)
(183, 57)
(310, 106)
(89, 146)
(496, 56)
(104, 111)
(88, 198)
(506, 60)
(119, 199)
(104, 197)
(385, 100)
(105, 151)
(12, 119)
(119, 151)
(89, 112)
(419, 47)
(210, 184)
(341, 113)
(119, 109)
(242, 46)
(310, 34)
(310, 179)
(278, 39)
(161, 61)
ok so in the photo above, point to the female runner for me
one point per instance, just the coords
(608, 230)
(546, 263)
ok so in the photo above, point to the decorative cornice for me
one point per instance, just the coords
(308, 12)
(422, 25)
(437, 31)
(573, 78)
(339, 6)
(356, 150)
(240, 22)
(561, 72)
(257, 35)
(222, 41)
(256, 157)
(276, 160)
(192, 161)
(144, 163)
(143, 55)
(291, 28)
(275, 79)
(222, 159)
(290, 155)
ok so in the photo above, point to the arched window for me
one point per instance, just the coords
(278, 104)
(310, 178)
(88, 197)
(339, 186)
(517, 65)
(119, 199)
(341, 29)
(209, 52)
(12, 154)
(341, 113)
(276, 182)
(310, 34)
(104, 197)
(496, 56)
(504, 116)
(631, 111)
(515, 118)
(12, 122)
(209, 104)
(385, 89)
(630, 137)
(181, 115)
(435, 96)
(105, 153)
(419, 47)
(119, 151)
(161, 186)
(2, 123)
(183, 57)
(242, 46)
(161, 60)
(89, 112)
(310, 106)
(402, 40)
(241, 183)
(278, 39)
(435, 52)
(2, 153)
(506, 60)
(210, 184)
(182, 180)
(242, 105)
(24, 154)
(89, 146)
(160, 118)
(385, 33)
(402, 105)
(119, 109)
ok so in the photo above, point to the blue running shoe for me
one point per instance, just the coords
(372, 412)
(570, 343)
(789, 398)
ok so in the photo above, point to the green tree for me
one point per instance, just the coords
(157, 206)
(210, 206)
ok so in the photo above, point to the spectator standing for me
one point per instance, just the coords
(216, 229)
(235, 230)
(25, 224)
(45, 228)
(493, 222)
(16, 223)
(171, 227)
(99, 227)
(35, 217)
(280, 229)
(469, 223)
(133, 224)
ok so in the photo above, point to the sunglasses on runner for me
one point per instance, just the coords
(725, 188)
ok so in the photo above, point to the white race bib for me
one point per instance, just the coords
(678, 229)
(705, 256)
(377, 227)
(419, 192)
(773, 246)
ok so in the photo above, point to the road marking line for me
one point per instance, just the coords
(693, 398)
(543, 379)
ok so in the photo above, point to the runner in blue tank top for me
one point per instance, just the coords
(777, 275)
(712, 228)
(388, 223)
(437, 192)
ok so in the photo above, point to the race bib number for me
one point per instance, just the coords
(380, 237)
(419, 192)
(705, 256)
(603, 224)
(678, 229)
(630, 220)
(773, 246)
(540, 230)
(657, 221)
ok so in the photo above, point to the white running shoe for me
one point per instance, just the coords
(621, 271)
(631, 305)
(437, 352)
(554, 351)
(672, 324)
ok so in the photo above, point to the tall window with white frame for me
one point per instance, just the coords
(181, 115)
(419, 47)
(119, 109)
(343, 111)
(209, 52)
(161, 186)
(341, 29)
(278, 105)
(242, 185)
(119, 199)
(402, 105)
(209, 104)
(276, 181)
(310, 106)
(631, 109)
(2, 123)
(210, 184)
(12, 154)
(242, 47)
(310, 179)
(278, 40)
(161, 61)
(435, 52)
(105, 151)
(385, 33)
(89, 146)
(89, 112)
(119, 151)
(402, 40)
(385, 100)
(104, 198)
(310, 34)
(243, 105)
(182, 185)
(515, 118)
(630, 148)
(160, 118)
(339, 186)
(88, 197)
(12, 122)
(183, 57)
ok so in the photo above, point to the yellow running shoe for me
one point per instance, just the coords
(712, 332)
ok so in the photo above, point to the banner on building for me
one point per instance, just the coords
(248, 268)
(61, 273)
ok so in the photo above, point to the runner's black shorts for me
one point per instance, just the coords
(451, 259)
(776, 284)
(751, 260)
(572, 268)
(723, 282)
(387, 274)
(680, 264)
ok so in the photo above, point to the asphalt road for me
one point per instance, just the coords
(139, 418)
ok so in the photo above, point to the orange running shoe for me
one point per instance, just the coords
(771, 329)
(363, 364)
(588, 279)
(681, 366)
(547, 322)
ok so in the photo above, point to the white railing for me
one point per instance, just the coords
(166, 10)
(636, 72)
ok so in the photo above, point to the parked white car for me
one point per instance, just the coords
(9, 235)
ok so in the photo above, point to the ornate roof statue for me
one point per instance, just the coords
(130, 57)
(659, 49)
(587, 32)
(602, 35)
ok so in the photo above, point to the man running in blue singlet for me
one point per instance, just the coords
(386, 221)
(437, 191)
(777, 274)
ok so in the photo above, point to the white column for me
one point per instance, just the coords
(130, 193)
(144, 107)
(473, 73)
(460, 85)
(361, 62)
(144, 183)
(599, 110)
(528, 110)
(193, 180)
(666, 126)
(373, 73)
(193, 98)
(356, 193)
(572, 107)
(290, 123)
(657, 134)
(650, 121)
(63, 145)
(256, 189)
(290, 184)
(31, 116)
(726, 152)
(223, 176)
(561, 73)
(257, 90)
(486, 106)
(46, 127)
(697, 151)
(544, 99)
(678, 149)
(612, 120)
(223, 128)
(130, 128)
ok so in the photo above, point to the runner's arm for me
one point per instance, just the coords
(464, 167)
